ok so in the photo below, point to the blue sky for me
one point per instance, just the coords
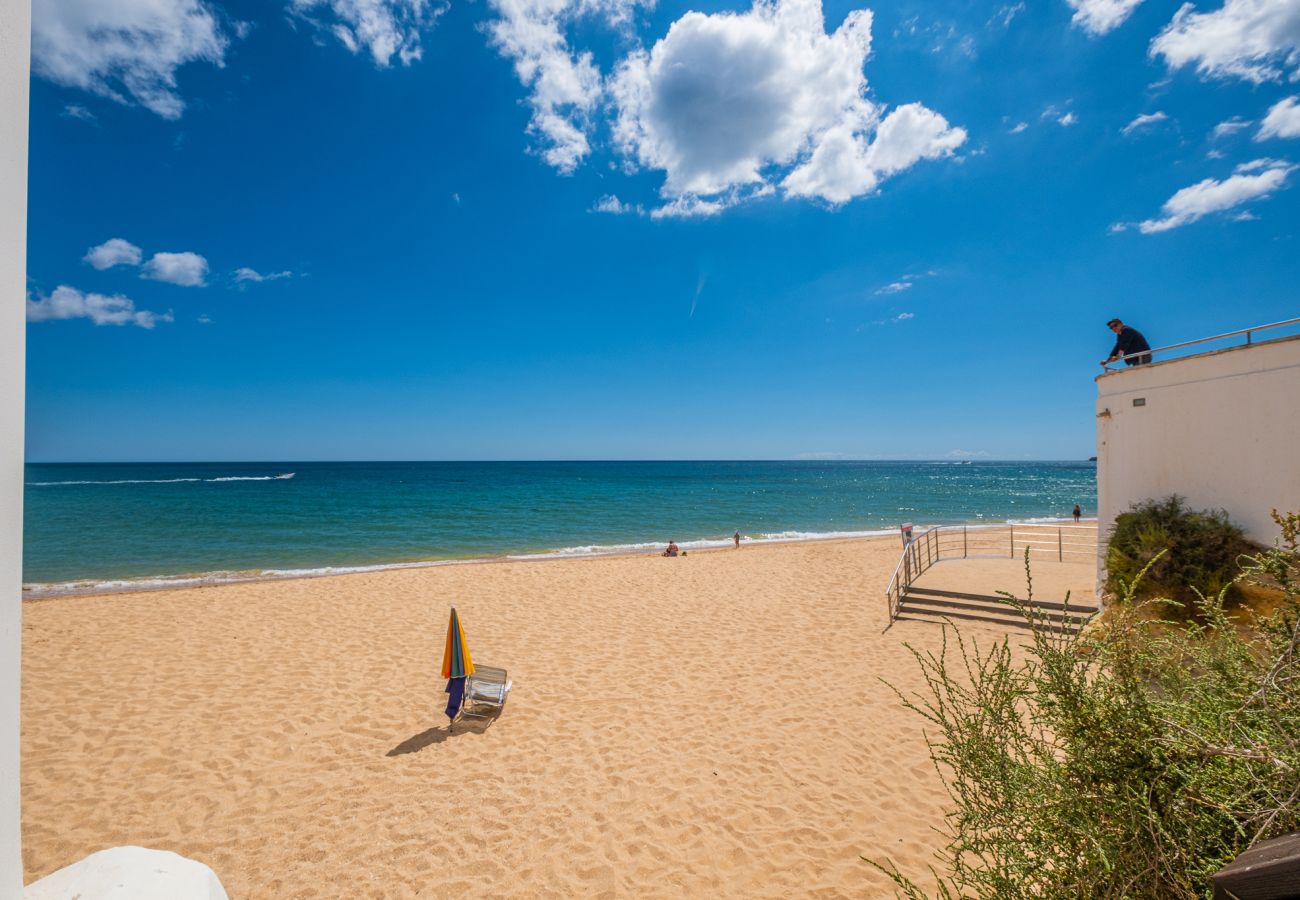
(518, 229)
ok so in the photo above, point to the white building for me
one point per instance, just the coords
(1221, 429)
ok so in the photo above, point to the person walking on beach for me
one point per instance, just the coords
(737, 536)
(1077, 512)
(1128, 340)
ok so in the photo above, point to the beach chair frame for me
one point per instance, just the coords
(486, 692)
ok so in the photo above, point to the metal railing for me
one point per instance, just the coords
(1248, 332)
(965, 541)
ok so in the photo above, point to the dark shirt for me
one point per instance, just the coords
(1130, 340)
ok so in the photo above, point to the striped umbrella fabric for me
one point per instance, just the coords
(456, 662)
(456, 666)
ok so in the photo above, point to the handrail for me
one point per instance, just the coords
(929, 547)
(1248, 332)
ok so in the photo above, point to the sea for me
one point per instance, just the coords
(102, 527)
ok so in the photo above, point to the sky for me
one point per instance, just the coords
(627, 229)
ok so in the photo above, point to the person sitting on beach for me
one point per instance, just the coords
(673, 549)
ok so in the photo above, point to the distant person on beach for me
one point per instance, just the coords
(737, 540)
(1077, 512)
(673, 549)
(1127, 340)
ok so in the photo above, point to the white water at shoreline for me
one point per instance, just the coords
(38, 591)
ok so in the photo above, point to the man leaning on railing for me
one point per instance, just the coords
(1128, 341)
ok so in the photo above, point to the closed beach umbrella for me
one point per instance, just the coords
(456, 665)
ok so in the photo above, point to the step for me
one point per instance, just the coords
(993, 608)
(933, 617)
(913, 590)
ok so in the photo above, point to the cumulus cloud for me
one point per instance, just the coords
(1256, 40)
(1282, 121)
(186, 269)
(1100, 16)
(1249, 181)
(1068, 119)
(1019, 127)
(384, 28)
(724, 99)
(70, 303)
(614, 206)
(113, 252)
(245, 275)
(1142, 121)
(125, 50)
(691, 206)
(728, 106)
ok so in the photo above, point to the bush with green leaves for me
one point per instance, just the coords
(1133, 760)
(1184, 553)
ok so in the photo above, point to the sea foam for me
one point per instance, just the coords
(283, 477)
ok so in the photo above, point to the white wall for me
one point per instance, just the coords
(15, 43)
(1221, 429)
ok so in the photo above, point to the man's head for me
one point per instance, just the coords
(1115, 325)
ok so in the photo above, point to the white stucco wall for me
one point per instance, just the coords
(1221, 429)
(15, 43)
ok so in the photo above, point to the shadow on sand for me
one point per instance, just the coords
(437, 735)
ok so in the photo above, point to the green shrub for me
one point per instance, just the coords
(1184, 553)
(1131, 761)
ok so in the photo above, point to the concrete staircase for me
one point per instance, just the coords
(919, 604)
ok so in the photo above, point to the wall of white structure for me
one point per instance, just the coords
(15, 68)
(1221, 429)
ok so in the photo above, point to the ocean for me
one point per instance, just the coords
(118, 526)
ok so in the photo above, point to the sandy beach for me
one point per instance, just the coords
(713, 725)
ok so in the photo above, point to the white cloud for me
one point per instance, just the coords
(386, 28)
(1019, 127)
(113, 252)
(70, 303)
(690, 206)
(1068, 119)
(1256, 40)
(903, 317)
(1229, 127)
(1249, 181)
(1142, 121)
(614, 206)
(244, 274)
(896, 287)
(1100, 16)
(204, 319)
(565, 85)
(186, 269)
(1008, 12)
(126, 50)
(724, 99)
(72, 111)
(1282, 121)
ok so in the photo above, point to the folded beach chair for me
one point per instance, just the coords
(485, 691)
